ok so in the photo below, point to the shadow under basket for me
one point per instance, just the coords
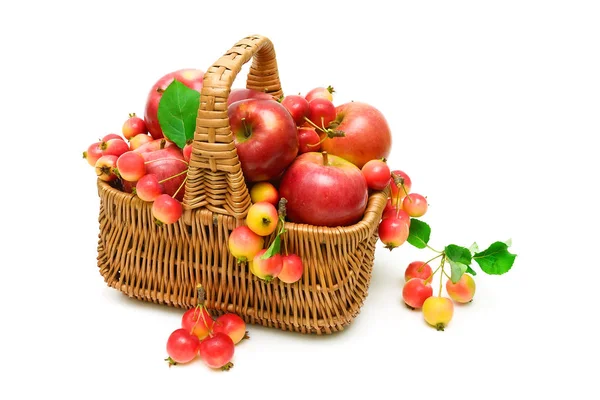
(164, 264)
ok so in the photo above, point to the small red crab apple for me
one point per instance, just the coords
(438, 311)
(400, 214)
(133, 126)
(262, 218)
(320, 92)
(417, 269)
(187, 152)
(393, 232)
(93, 153)
(264, 191)
(308, 139)
(148, 188)
(297, 106)
(415, 292)
(321, 112)
(266, 269)
(377, 173)
(463, 290)
(106, 138)
(166, 210)
(131, 166)
(182, 347)
(105, 167)
(217, 351)
(399, 186)
(114, 147)
(244, 244)
(415, 205)
(292, 269)
(232, 325)
(139, 140)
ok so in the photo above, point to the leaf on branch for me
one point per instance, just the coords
(177, 112)
(496, 259)
(419, 233)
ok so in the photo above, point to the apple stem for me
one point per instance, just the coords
(430, 277)
(173, 176)
(180, 186)
(131, 115)
(331, 133)
(247, 129)
(201, 294)
(441, 274)
(325, 158)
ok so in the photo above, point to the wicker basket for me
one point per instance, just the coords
(163, 264)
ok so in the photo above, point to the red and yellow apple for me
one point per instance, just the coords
(244, 244)
(463, 290)
(262, 218)
(264, 191)
(292, 269)
(324, 190)
(266, 268)
(265, 137)
(367, 134)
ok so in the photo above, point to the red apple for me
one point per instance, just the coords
(308, 139)
(297, 107)
(192, 78)
(264, 191)
(169, 167)
(324, 190)
(265, 136)
(243, 94)
(367, 134)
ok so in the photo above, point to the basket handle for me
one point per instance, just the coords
(215, 179)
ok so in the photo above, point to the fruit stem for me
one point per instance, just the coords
(441, 274)
(247, 128)
(166, 158)
(432, 249)
(180, 186)
(325, 159)
(433, 273)
(227, 366)
(173, 176)
(331, 133)
(201, 294)
(445, 273)
(399, 181)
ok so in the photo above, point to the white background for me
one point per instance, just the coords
(494, 107)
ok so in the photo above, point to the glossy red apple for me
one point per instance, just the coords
(169, 167)
(265, 136)
(243, 94)
(367, 134)
(324, 190)
(192, 78)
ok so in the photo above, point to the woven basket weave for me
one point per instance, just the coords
(163, 264)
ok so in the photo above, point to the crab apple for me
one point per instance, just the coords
(244, 244)
(438, 311)
(266, 268)
(297, 107)
(321, 112)
(133, 126)
(105, 167)
(262, 218)
(198, 322)
(308, 140)
(187, 152)
(106, 138)
(114, 147)
(377, 173)
(405, 185)
(93, 153)
(417, 269)
(463, 290)
(131, 166)
(415, 292)
(320, 93)
(292, 269)
(232, 325)
(139, 140)
(182, 347)
(393, 232)
(148, 188)
(166, 210)
(264, 191)
(191, 78)
(394, 213)
(217, 351)
(154, 145)
(415, 205)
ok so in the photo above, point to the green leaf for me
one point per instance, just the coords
(177, 112)
(273, 248)
(496, 259)
(458, 254)
(457, 270)
(419, 233)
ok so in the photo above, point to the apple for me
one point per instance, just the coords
(169, 167)
(264, 191)
(297, 107)
(265, 136)
(308, 139)
(367, 134)
(262, 218)
(324, 190)
(192, 78)
(243, 94)
(292, 269)
(139, 140)
(266, 268)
